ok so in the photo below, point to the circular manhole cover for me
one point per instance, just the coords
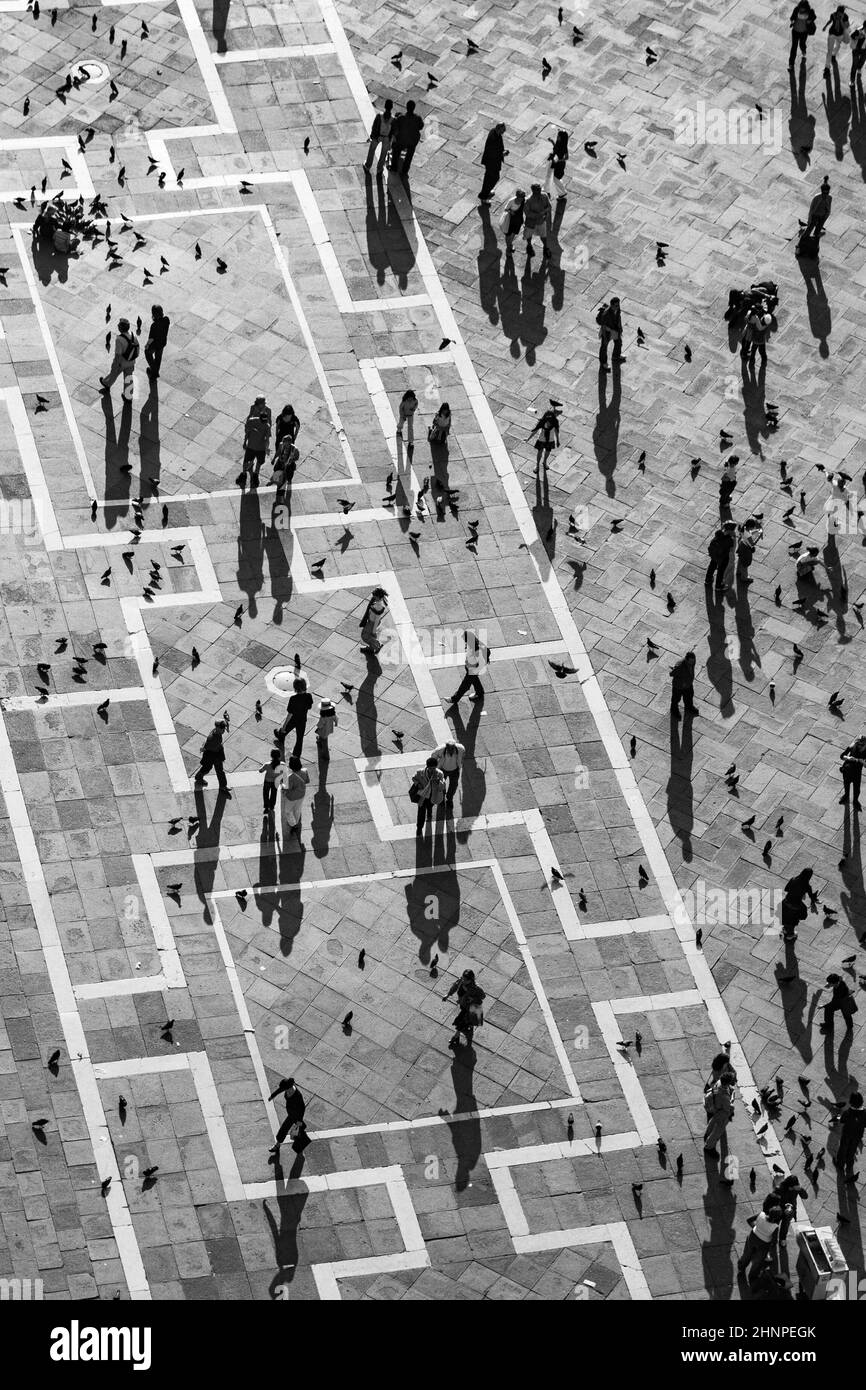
(92, 72)
(281, 680)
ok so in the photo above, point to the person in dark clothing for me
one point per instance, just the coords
(213, 757)
(858, 52)
(819, 210)
(841, 1002)
(683, 686)
(257, 438)
(803, 23)
(380, 136)
(853, 758)
(470, 997)
(793, 909)
(297, 710)
(556, 162)
(296, 1108)
(156, 340)
(609, 320)
(852, 1123)
(493, 159)
(407, 134)
(719, 551)
(286, 423)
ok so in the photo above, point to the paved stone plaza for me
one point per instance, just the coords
(131, 897)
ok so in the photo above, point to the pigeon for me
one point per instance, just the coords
(155, 667)
(835, 702)
(642, 875)
(242, 894)
(589, 146)
(556, 875)
(347, 1022)
(652, 648)
(433, 964)
(637, 1187)
(121, 1108)
(652, 579)
(106, 577)
(173, 890)
(746, 825)
(632, 747)
(790, 1124)
(561, 671)
(779, 823)
(671, 603)
(446, 342)
(104, 1186)
(766, 851)
(620, 159)
(471, 48)
(641, 337)
(581, 900)
(546, 69)
(221, 266)
(307, 145)
(53, 1061)
(167, 1029)
(144, 30)
(62, 644)
(195, 659)
(699, 936)
(662, 1147)
(651, 57)
(149, 1174)
(616, 525)
(641, 462)
(576, 36)
(102, 710)
(113, 91)
(362, 955)
(679, 1165)
(239, 613)
(346, 691)
(396, 61)
(197, 252)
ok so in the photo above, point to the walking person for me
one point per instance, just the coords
(547, 429)
(841, 1002)
(275, 772)
(853, 758)
(720, 550)
(380, 136)
(427, 790)
(473, 661)
(450, 757)
(761, 1241)
(838, 32)
(440, 427)
(213, 759)
(297, 710)
(858, 52)
(294, 790)
(374, 613)
(157, 337)
(537, 215)
(327, 723)
(296, 1107)
(126, 349)
(511, 220)
(683, 686)
(758, 328)
(804, 22)
(852, 1123)
(727, 486)
(794, 910)
(286, 424)
(719, 1107)
(748, 536)
(609, 320)
(493, 158)
(406, 416)
(820, 208)
(470, 1015)
(257, 439)
(405, 139)
(556, 162)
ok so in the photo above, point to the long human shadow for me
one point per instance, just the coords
(279, 562)
(150, 462)
(717, 1251)
(118, 483)
(251, 549)
(793, 996)
(205, 857)
(837, 108)
(542, 511)
(680, 795)
(219, 20)
(532, 283)
(488, 262)
(719, 669)
(284, 1234)
(858, 126)
(322, 815)
(853, 896)
(817, 306)
(749, 656)
(465, 1134)
(754, 411)
(366, 712)
(388, 247)
(801, 126)
(509, 305)
(605, 433)
(473, 781)
(837, 595)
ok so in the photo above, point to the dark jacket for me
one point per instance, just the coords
(494, 149)
(158, 333)
(295, 1104)
(298, 708)
(213, 744)
(407, 130)
(720, 546)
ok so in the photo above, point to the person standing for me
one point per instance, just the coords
(327, 723)
(748, 536)
(609, 320)
(450, 757)
(757, 331)
(852, 1123)
(493, 158)
(380, 135)
(275, 773)
(440, 426)
(428, 785)
(296, 1108)
(556, 162)
(853, 758)
(406, 137)
(683, 686)
(472, 662)
(157, 338)
(547, 429)
(511, 220)
(803, 22)
(406, 416)
(294, 790)
(257, 437)
(858, 52)
(470, 1015)
(288, 424)
(719, 1107)
(536, 220)
(760, 1242)
(297, 710)
(838, 32)
(842, 1002)
(213, 758)
(126, 348)
(374, 613)
(720, 550)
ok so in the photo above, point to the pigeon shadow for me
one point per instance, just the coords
(118, 476)
(680, 796)
(801, 126)
(605, 433)
(719, 669)
(817, 306)
(837, 108)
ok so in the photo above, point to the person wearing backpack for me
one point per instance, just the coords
(126, 348)
(803, 23)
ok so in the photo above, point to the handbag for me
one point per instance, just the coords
(414, 793)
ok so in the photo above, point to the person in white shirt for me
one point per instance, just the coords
(473, 660)
(450, 757)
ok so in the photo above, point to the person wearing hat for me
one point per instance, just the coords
(324, 728)
(841, 1002)
(450, 757)
(125, 354)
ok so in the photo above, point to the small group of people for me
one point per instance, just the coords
(533, 216)
(258, 428)
(435, 784)
(804, 24)
(732, 547)
(494, 154)
(394, 139)
(127, 348)
(59, 225)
